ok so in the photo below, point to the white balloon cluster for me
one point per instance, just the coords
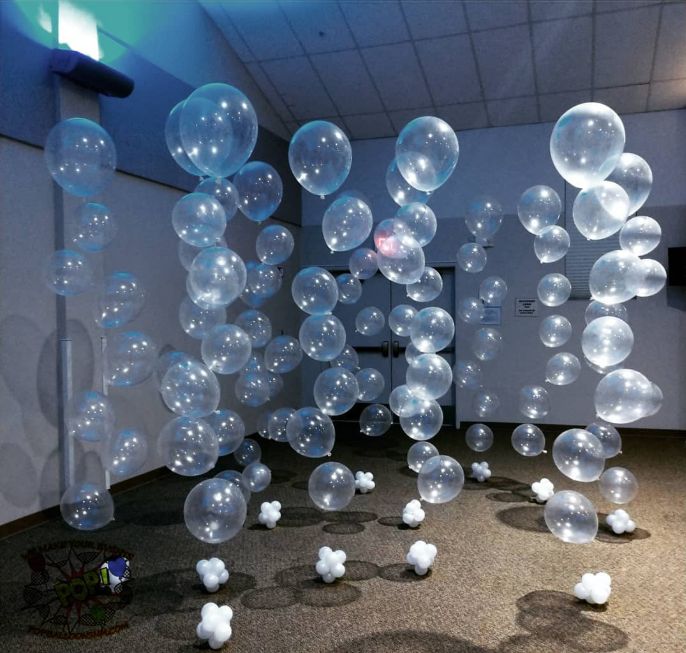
(212, 573)
(413, 513)
(543, 489)
(215, 625)
(270, 513)
(364, 482)
(620, 522)
(330, 565)
(481, 471)
(421, 556)
(594, 588)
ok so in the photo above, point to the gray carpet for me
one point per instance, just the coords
(501, 583)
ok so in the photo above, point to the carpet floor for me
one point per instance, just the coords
(501, 582)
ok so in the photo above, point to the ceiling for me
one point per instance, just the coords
(372, 66)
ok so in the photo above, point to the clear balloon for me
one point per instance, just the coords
(349, 288)
(363, 263)
(652, 278)
(467, 375)
(596, 309)
(218, 128)
(257, 325)
(310, 432)
(187, 253)
(282, 354)
(331, 486)
(534, 402)
(400, 319)
(440, 479)
(189, 388)
(252, 388)
(624, 396)
(432, 329)
(554, 289)
(420, 220)
(346, 223)
(400, 257)
(90, 417)
(215, 510)
(412, 353)
(492, 291)
(126, 452)
(188, 446)
(275, 384)
(538, 208)
(551, 244)
(586, 143)
(425, 421)
(263, 424)
(68, 273)
(274, 244)
(172, 136)
(223, 191)
(375, 420)
(485, 403)
(257, 476)
(562, 369)
(427, 288)
(277, 425)
(600, 210)
(166, 360)
(370, 383)
(235, 477)
(479, 437)
(528, 440)
(426, 152)
(315, 291)
(483, 217)
(402, 402)
(571, 517)
(419, 453)
(198, 322)
(348, 359)
(229, 429)
(322, 337)
(400, 190)
(429, 377)
(618, 485)
(80, 156)
(335, 391)
(320, 157)
(614, 277)
(217, 276)
(487, 343)
(640, 235)
(472, 257)
(248, 452)
(199, 219)
(262, 282)
(93, 227)
(370, 321)
(471, 310)
(260, 190)
(609, 437)
(131, 358)
(86, 506)
(119, 301)
(607, 341)
(579, 455)
(634, 175)
(226, 348)
(555, 330)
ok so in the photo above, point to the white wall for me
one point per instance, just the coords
(504, 162)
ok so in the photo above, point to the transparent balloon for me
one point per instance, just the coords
(172, 136)
(467, 375)
(625, 395)
(282, 354)
(412, 353)
(562, 369)
(252, 388)
(485, 403)
(363, 264)
(419, 453)
(614, 277)
(432, 329)
(586, 143)
(198, 322)
(596, 309)
(236, 478)
(215, 510)
(472, 257)
(400, 190)
(600, 210)
(609, 437)
(420, 221)
(487, 343)
(119, 301)
(440, 479)
(188, 446)
(607, 341)
(400, 319)
(539, 207)
(555, 330)
(528, 440)
(349, 288)
(370, 383)
(571, 517)
(187, 253)
(217, 276)
(618, 485)
(534, 401)
(229, 429)
(492, 291)
(275, 384)
(191, 389)
(375, 420)
(126, 452)
(652, 278)
(322, 337)
(166, 360)
(370, 321)
(68, 273)
(479, 437)
(257, 325)
(427, 288)
(429, 377)
(90, 417)
(274, 244)
(425, 420)
(86, 506)
(331, 486)
(257, 476)
(551, 244)
(554, 289)
(348, 359)
(226, 348)
(483, 217)
(199, 219)
(579, 455)
(263, 281)
(400, 257)
(277, 424)
(260, 190)
(346, 223)
(335, 391)
(131, 358)
(402, 402)
(223, 191)
(471, 310)
(640, 235)
(310, 432)
(80, 156)
(634, 175)
(248, 452)
(93, 227)
(315, 291)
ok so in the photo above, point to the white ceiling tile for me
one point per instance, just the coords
(667, 95)
(216, 12)
(624, 44)
(552, 106)
(270, 92)
(397, 75)
(347, 81)
(401, 118)
(486, 14)
(513, 111)
(624, 99)
(375, 23)
(450, 69)
(670, 59)
(547, 10)
(562, 50)
(299, 87)
(621, 5)
(319, 25)
(264, 28)
(505, 62)
(471, 115)
(370, 125)
(440, 18)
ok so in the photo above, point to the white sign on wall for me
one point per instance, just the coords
(526, 307)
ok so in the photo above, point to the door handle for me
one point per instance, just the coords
(396, 349)
(384, 348)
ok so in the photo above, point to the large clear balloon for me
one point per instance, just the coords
(93, 227)
(90, 417)
(252, 388)
(215, 510)
(131, 358)
(472, 257)
(80, 156)
(236, 477)
(248, 452)
(331, 486)
(485, 403)
(420, 220)
(126, 452)
(349, 288)
(571, 517)
(229, 429)
(226, 348)
(600, 210)
(551, 244)
(278, 424)
(260, 190)
(539, 207)
(223, 191)
(607, 341)
(652, 278)
(347, 359)
(191, 389)
(322, 337)
(440, 479)
(257, 325)
(427, 288)
(579, 455)
(479, 437)
(492, 291)
(199, 219)
(172, 136)
(262, 282)
(596, 309)
(86, 506)
(400, 319)
(218, 128)
(198, 322)
(624, 396)
(370, 383)
(335, 391)
(346, 223)
(412, 353)
(274, 244)
(483, 217)
(534, 401)
(402, 402)
(487, 343)
(370, 321)
(471, 310)
(257, 476)
(467, 375)
(618, 485)
(425, 420)
(282, 354)
(187, 253)
(528, 440)
(399, 256)
(432, 329)
(315, 291)
(217, 277)
(562, 369)
(68, 273)
(586, 143)
(363, 264)
(555, 330)
(400, 190)
(640, 235)
(554, 289)
(188, 446)
(311, 432)
(429, 377)
(609, 437)
(375, 420)
(419, 453)
(119, 301)
(614, 277)
(634, 175)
